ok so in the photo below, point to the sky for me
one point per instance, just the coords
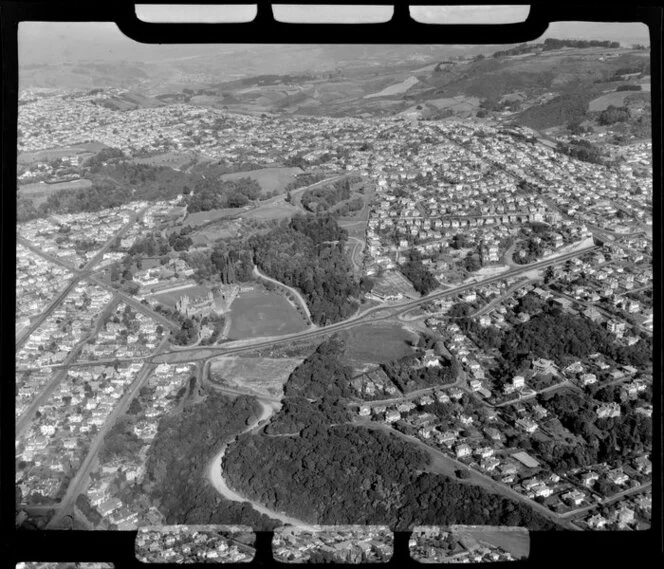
(56, 41)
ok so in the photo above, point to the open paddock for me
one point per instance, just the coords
(270, 179)
(279, 211)
(39, 192)
(377, 343)
(173, 160)
(617, 99)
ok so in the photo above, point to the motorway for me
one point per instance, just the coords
(79, 482)
(204, 352)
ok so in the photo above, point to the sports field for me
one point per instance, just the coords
(261, 313)
(270, 179)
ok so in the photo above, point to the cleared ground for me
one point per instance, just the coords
(259, 313)
(393, 282)
(377, 343)
(262, 376)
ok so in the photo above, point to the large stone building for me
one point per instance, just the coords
(216, 301)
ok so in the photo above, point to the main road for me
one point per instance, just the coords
(369, 315)
(46, 392)
(79, 482)
(78, 275)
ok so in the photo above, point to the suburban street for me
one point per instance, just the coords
(43, 396)
(490, 482)
(80, 480)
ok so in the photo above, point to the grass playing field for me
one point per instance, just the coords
(261, 313)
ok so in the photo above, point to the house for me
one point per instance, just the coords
(462, 450)
(617, 476)
(543, 366)
(527, 424)
(588, 379)
(426, 400)
(596, 521)
(518, 381)
(643, 464)
(443, 397)
(392, 416)
(574, 497)
(365, 410)
(490, 463)
(475, 384)
(589, 478)
(608, 410)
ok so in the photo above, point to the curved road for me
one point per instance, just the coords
(258, 273)
(215, 473)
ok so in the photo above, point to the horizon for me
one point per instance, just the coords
(72, 42)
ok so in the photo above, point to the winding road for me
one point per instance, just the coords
(215, 472)
(295, 292)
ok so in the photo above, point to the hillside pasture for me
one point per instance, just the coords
(617, 99)
(396, 89)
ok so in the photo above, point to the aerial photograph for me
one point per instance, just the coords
(393, 286)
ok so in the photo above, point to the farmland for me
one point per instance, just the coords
(262, 376)
(261, 313)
